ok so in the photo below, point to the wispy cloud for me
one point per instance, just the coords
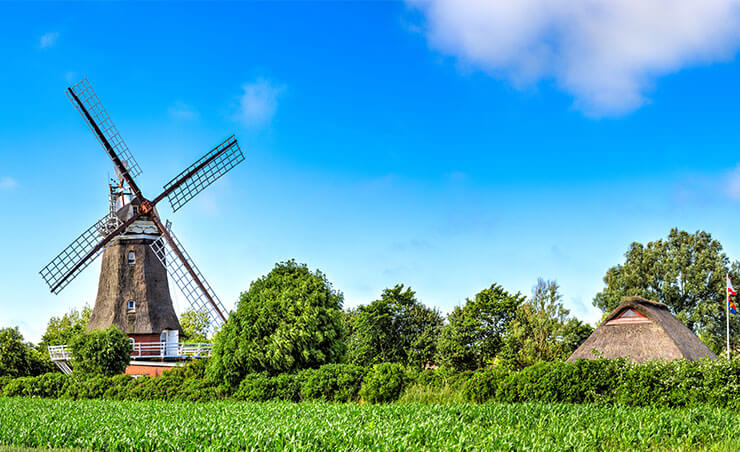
(606, 53)
(180, 110)
(8, 183)
(258, 102)
(732, 186)
(48, 39)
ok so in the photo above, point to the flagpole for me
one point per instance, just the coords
(727, 317)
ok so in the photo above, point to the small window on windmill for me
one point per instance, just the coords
(131, 306)
(131, 258)
(136, 210)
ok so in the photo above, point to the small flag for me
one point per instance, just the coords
(731, 293)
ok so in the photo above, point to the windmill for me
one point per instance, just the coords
(138, 249)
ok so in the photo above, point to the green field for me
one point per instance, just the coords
(112, 425)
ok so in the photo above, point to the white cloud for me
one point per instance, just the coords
(733, 183)
(258, 102)
(605, 53)
(8, 183)
(48, 39)
(180, 110)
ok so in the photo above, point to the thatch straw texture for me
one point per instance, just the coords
(659, 335)
(144, 282)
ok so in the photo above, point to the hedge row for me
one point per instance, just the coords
(331, 382)
(657, 383)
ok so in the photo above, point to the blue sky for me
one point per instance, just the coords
(444, 148)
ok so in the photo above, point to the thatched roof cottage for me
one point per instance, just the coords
(641, 330)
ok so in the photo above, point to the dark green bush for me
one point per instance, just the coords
(46, 385)
(657, 383)
(287, 387)
(484, 384)
(81, 387)
(256, 387)
(106, 352)
(119, 387)
(333, 382)
(4, 380)
(384, 383)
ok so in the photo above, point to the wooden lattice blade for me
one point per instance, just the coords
(91, 103)
(76, 257)
(195, 178)
(190, 281)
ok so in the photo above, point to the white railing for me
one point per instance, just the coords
(171, 350)
(148, 350)
(59, 353)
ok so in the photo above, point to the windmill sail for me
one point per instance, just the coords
(203, 173)
(72, 260)
(189, 279)
(86, 97)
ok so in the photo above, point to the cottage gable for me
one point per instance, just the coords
(642, 330)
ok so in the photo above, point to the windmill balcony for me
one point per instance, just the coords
(147, 350)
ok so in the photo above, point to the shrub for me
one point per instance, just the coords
(82, 387)
(4, 380)
(333, 382)
(384, 383)
(119, 387)
(484, 384)
(288, 320)
(106, 352)
(287, 387)
(255, 388)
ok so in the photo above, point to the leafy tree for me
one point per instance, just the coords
(61, 330)
(18, 358)
(289, 319)
(542, 330)
(474, 333)
(396, 328)
(687, 273)
(195, 325)
(101, 352)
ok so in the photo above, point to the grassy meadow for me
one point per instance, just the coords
(229, 425)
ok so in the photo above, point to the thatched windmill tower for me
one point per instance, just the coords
(133, 292)
(138, 250)
(642, 330)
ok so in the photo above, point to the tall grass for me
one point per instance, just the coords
(446, 394)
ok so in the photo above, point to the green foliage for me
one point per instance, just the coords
(195, 325)
(167, 426)
(395, 328)
(656, 384)
(61, 330)
(333, 383)
(384, 383)
(46, 385)
(288, 386)
(289, 320)
(417, 393)
(105, 352)
(255, 388)
(19, 359)
(474, 333)
(687, 273)
(541, 329)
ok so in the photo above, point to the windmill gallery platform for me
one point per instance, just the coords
(140, 252)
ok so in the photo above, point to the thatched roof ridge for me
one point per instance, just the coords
(662, 336)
